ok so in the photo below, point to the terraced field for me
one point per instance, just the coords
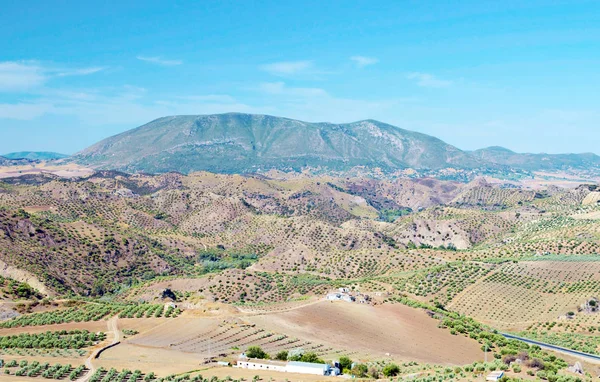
(519, 294)
(200, 267)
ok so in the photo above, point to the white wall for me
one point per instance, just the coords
(304, 370)
(260, 366)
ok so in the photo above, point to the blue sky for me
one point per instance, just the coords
(524, 75)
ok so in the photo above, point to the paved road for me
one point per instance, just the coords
(113, 328)
(585, 356)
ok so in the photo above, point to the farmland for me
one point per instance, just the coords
(195, 269)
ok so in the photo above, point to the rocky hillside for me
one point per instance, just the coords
(113, 230)
(241, 143)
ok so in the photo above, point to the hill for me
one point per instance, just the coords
(35, 155)
(538, 162)
(249, 260)
(4, 161)
(242, 143)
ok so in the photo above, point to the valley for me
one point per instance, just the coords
(198, 268)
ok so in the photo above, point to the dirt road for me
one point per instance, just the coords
(113, 328)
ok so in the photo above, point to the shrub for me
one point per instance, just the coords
(374, 373)
(360, 370)
(508, 359)
(536, 363)
(391, 370)
(345, 363)
(256, 352)
(282, 355)
(311, 357)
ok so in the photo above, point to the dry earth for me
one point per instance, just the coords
(403, 332)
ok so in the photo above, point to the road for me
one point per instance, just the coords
(584, 356)
(113, 328)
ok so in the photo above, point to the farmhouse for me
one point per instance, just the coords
(285, 367)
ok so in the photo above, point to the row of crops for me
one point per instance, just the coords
(544, 286)
(91, 312)
(450, 278)
(576, 341)
(125, 375)
(36, 369)
(73, 339)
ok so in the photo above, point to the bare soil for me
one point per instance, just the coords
(402, 332)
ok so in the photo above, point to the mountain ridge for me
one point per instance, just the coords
(262, 142)
(243, 143)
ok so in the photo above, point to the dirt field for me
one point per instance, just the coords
(403, 332)
(64, 171)
(162, 361)
(363, 332)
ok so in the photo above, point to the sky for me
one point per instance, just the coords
(520, 74)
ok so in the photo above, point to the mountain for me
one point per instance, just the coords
(532, 162)
(240, 143)
(35, 155)
(247, 143)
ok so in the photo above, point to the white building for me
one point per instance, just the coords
(308, 368)
(285, 367)
(261, 364)
(495, 376)
(334, 297)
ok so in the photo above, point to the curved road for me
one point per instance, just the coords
(113, 328)
(586, 356)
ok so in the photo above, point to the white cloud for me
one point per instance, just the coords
(281, 89)
(287, 68)
(316, 104)
(221, 98)
(362, 61)
(27, 75)
(160, 61)
(126, 105)
(24, 111)
(80, 72)
(427, 80)
(20, 76)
